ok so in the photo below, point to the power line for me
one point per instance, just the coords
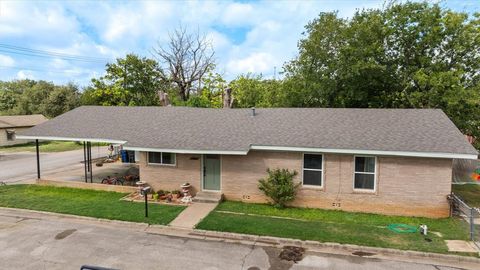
(42, 70)
(49, 54)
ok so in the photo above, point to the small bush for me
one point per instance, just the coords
(279, 186)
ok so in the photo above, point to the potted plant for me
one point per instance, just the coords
(176, 194)
(162, 195)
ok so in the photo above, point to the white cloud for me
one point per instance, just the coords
(25, 74)
(238, 14)
(260, 62)
(6, 60)
(247, 37)
(218, 40)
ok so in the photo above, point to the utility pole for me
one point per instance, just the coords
(275, 73)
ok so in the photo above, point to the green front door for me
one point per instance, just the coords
(211, 172)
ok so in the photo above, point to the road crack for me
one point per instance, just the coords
(252, 247)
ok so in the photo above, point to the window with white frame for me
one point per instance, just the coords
(313, 170)
(364, 173)
(162, 158)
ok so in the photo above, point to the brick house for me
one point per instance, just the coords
(388, 161)
(10, 125)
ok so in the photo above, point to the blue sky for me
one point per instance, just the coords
(247, 36)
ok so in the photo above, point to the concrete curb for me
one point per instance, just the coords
(246, 238)
(277, 241)
(129, 224)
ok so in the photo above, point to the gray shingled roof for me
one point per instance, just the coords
(12, 121)
(414, 130)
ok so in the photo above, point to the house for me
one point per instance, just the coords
(10, 125)
(388, 161)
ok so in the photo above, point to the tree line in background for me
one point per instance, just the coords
(405, 55)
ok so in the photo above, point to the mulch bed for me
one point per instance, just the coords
(137, 197)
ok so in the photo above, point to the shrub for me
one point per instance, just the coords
(279, 186)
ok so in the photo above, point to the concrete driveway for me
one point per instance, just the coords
(21, 167)
(30, 241)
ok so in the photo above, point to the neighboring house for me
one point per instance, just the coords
(10, 125)
(388, 161)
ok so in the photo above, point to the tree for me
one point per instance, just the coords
(23, 97)
(32, 100)
(8, 100)
(407, 55)
(254, 91)
(132, 80)
(186, 59)
(62, 99)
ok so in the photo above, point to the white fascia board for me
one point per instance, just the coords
(365, 152)
(185, 151)
(52, 138)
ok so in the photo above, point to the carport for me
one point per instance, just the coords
(87, 151)
(87, 125)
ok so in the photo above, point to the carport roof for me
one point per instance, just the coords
(404, 132)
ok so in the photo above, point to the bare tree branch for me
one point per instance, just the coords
(187, 58)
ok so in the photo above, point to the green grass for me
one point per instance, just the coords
(50, 146)
(82, 202)
(470, 193)
(332, 226)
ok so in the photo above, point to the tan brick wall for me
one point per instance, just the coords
(5, 142)
(187, 169)
(405, 186)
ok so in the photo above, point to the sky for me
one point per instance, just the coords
(71, 41)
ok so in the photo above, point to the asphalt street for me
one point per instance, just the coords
(57, 243)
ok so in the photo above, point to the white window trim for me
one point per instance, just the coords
(161, 160)
(318, 170)
(366, 190)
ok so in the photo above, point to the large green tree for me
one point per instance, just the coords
(250, 90)
(132, 80)
(62, 99)
(23, 97)
(407, 55)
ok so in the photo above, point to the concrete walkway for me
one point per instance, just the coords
(192, 215)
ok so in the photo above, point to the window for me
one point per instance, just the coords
(313, 170)
(161, 158)
(364, 173)
(10, 134)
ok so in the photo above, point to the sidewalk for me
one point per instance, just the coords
(193, 215)
(252, 240)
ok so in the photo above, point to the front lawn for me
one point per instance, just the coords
(332, 226)
(470, 193)
(48, 146)
(82, 202)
